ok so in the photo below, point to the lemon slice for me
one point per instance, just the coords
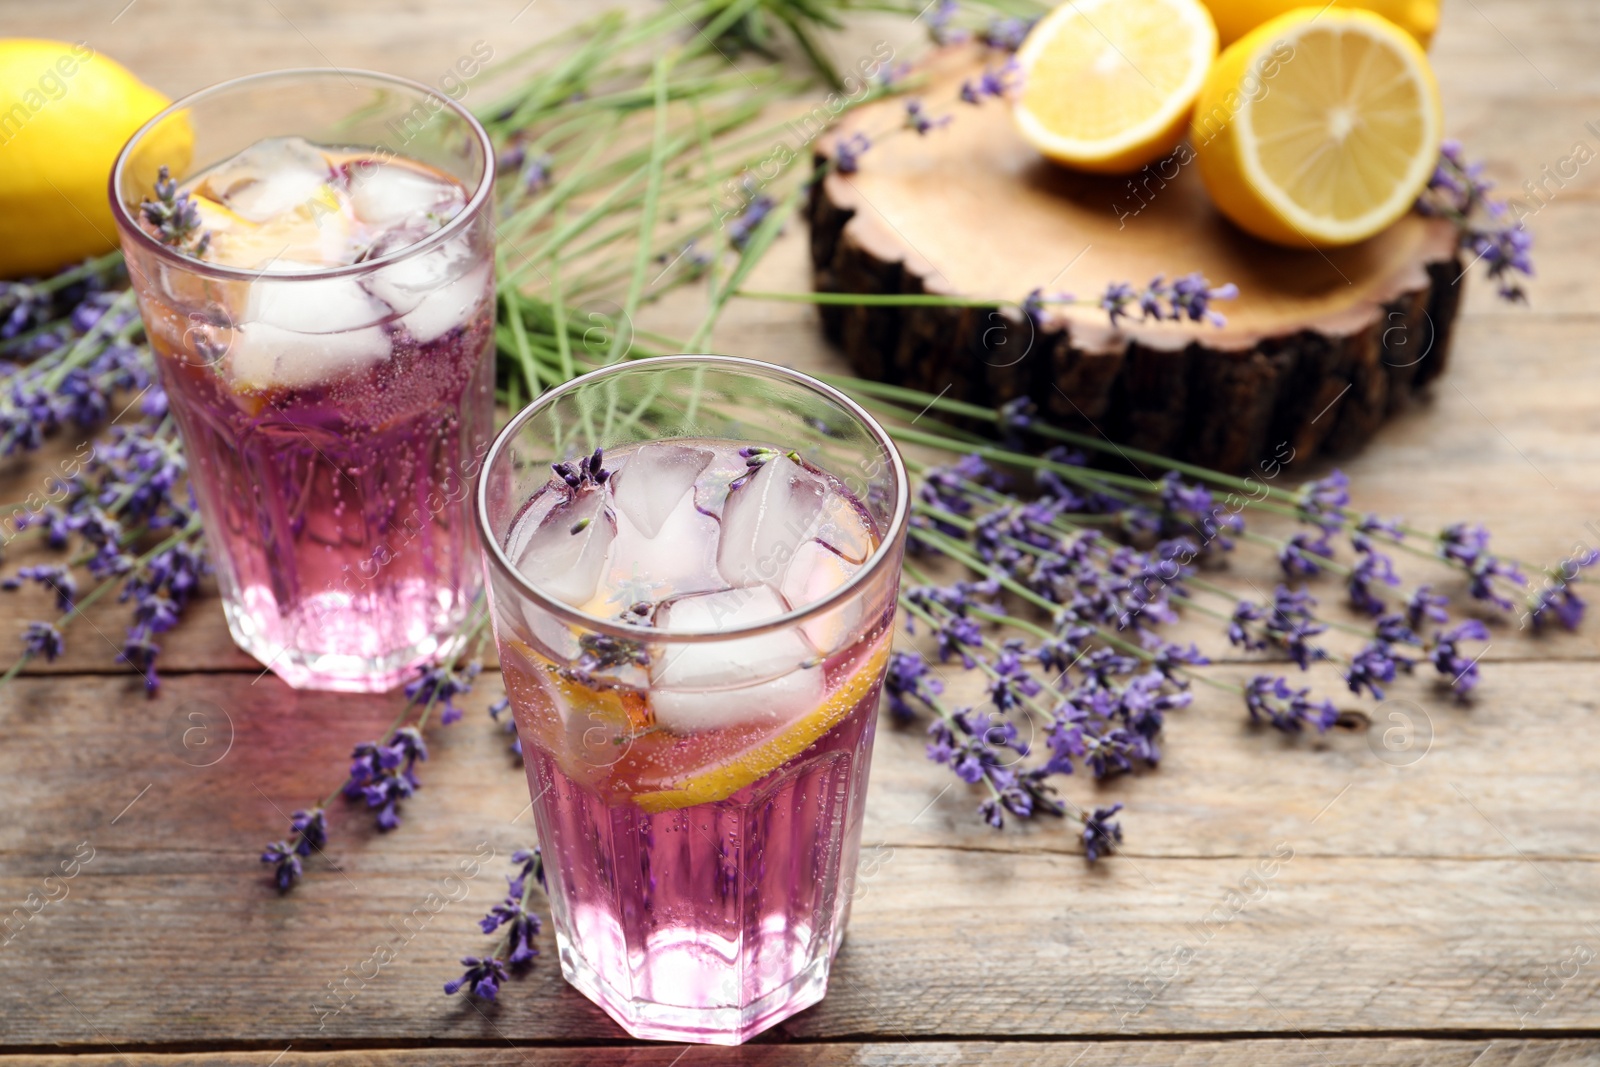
(1319, 127)
(1108, 84)
(748, 759)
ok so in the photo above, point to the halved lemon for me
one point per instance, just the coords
(1319, 127)
(1108, 84)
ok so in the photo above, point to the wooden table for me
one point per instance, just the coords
(1437, 907)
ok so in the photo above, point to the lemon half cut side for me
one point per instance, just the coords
(1108, 84)
(1336, 144)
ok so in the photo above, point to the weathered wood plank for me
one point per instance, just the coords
(945, 942)
(1329, 1052)
(75, 758)
(1431, 894)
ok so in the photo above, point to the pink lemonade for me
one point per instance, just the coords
(334, 424)
(699, 801)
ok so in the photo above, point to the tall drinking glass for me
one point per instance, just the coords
(693, 626)
(334, 416)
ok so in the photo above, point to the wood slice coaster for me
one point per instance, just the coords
(1318, 349)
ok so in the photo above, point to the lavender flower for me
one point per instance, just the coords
(1033, 305)
(1375, 663)
(174, 217)
(522, 927)
(482, 977)
(1006, 34)
(955, 634)
(909, 676)
(587, 473)
(535, 175)
(53, 577)
(1303, 557)
(1372, 524)
(1372, 566)
(1447, 659)
(1291, 622)
(940, 28)
(602, 652)
(1239, 633)
(288, 869)
(1468, 546)
(848, 151)
(1190, 297)
(996, 83)
(443, 683)
(918, 119)
(1557, 597)
(1321, 501)
(1458, 191)
(309, 831)
(532, 865)
(1011, 681)
(42, 639)
(311, 828)
(1100, 834)
(743, 227)
(1394, 629)
(501, 707)
(1424, 606)
(385, 774)
(1272, 700)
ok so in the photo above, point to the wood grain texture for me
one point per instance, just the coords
(1327, 1052)
(1443, 896)
(1309, 886)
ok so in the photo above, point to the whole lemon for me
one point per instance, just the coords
(65, 113)
(1235, 18)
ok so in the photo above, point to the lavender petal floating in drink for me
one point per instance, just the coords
(693, 648)
(329, 360)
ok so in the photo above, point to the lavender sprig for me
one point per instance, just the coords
(175, 218)
(1459, 191)
(517, 926)
(383, 774)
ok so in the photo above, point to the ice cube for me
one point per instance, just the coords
(843, 528)
(749, 679)
(387, 195)
(813, 574)
(449, 306)
(434, 291)
(680, 559)
(711, 491)
(273, 176)
(565, 556)
(314, 305)
(263, 355)
(780, 700)
(765, 518)
(737, 661)
(299, 333)
(406, 282)
(656, 479)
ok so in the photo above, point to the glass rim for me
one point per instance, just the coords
(570, 615)
(129, 225)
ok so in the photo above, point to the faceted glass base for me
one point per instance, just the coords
(651, 1021)
(333, 672)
